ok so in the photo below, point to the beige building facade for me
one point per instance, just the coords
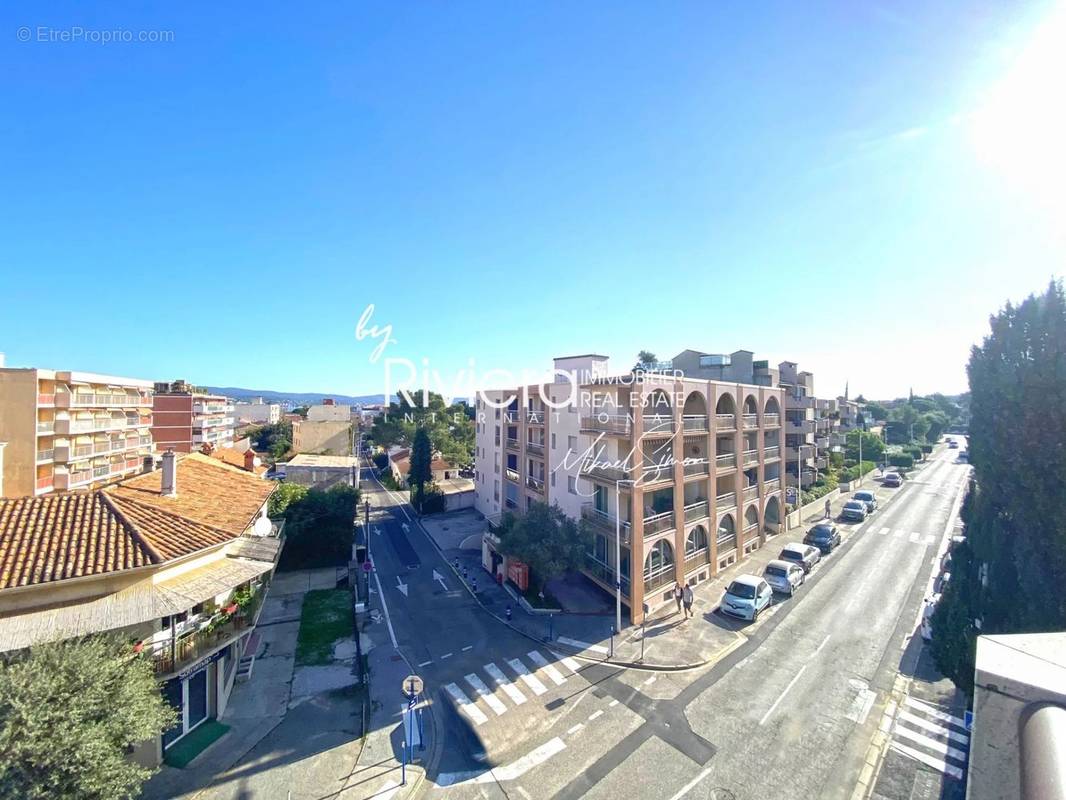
(71, 430)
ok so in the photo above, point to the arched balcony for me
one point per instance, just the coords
(659, 565)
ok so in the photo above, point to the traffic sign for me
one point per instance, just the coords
(967, 719)
(367, 566)
(412, 686)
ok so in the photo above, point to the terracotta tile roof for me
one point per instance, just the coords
(209, 492)
(403, 464)
(235, 458)
(127, 525)
(61, 536)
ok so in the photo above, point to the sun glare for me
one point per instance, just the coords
(1020, 128)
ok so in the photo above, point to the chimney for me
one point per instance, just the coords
(147, 464)
(169, 485)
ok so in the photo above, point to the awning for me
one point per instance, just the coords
(134, 605)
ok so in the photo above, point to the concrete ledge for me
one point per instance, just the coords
(529, 609)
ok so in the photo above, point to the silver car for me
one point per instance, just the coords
(802, 554)
(867, 498)
(784, 576)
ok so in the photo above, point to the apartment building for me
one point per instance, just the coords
(688, 471)
(185, 418)
(329, 411)
(257, 412)
(176, 560)
(71, 430)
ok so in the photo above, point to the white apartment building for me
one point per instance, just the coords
(688, 470)
(257, 411)
(71, 430)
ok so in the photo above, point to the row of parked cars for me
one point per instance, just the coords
(748, 595)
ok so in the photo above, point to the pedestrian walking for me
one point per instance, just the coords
(687, 598)
(828, 509)
(678, 592)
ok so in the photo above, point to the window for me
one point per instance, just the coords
(571, 484)
(553, 441)
(553, 479)
(571, 442)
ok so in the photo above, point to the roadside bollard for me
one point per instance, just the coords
(474, 585)
(508, 613)
(465, 575)
(611, 653)
(403, 763)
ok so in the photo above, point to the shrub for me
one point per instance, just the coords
(902, 460)
(927, 449)
(381, 461)
(852, 473)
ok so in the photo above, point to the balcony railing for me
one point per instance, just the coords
(44, 483)
(656, 473)
(604, 522)
(534, 417)
(536, 484)
(698, 468)
(204, 635)
(607, 423)
(610, 474)
(46, 427)
(726, 501)
(46, 399)
(657, 523)
(751, 420)
(535, 448)
(727, 540)
(725, 460)
(45, 455)
(694, 423)
(510, 415)
(695, 511)
(772, 484)
(751, 531)
(751, 457)
(725, 422)
(513, 444)
(658, 424)
(661, 577)
(103, 399)
(751, 492)
(773, 452)
(605, 573)
(511, 475)
(694, 561)
(771, 420)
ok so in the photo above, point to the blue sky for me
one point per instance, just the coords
(513, 181)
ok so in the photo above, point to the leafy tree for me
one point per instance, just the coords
(275, 439)
(421, 463)
(1010, 578)
(450, 427)
(545, 540)
(301, 410)
(319, 528)
(68, 712)
(872, 446)
(876, 411)
(646, 357)
(285, 495)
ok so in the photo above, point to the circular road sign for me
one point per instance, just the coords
(367, 566)
(412, 686)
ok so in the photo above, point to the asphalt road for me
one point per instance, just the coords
(791, 713)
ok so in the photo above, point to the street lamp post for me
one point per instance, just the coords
(618, 552)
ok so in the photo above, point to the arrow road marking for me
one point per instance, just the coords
(401, 586)
(440, 579)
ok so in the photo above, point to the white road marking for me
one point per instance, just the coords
(548, 669)
(387, 791)
(524, 793)
(930, 744)
(567, 662)
(483, 692)
(468, 647)
(385, 608)
(934, 712)
(692, 783)
(915, 537)
(860, 706)
(650, 680)
(826, 639)
(932, 727)
(446, 655)
(782, 695)
(527, 762)
(929, 539)
(576, 728)
(898, 533)
(612, 704)
(595, 715)
(596, 648)
(426, 663)
(529, 679)
(885, 531)
(501, 680)
(472, 711)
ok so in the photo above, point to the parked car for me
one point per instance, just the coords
(853, 511)
(893, 479)
(746, 597)
(953, 445)
(802, 554)
(824, 536)
(784, 576)
(868, 498)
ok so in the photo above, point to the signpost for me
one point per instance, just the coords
(411, 687)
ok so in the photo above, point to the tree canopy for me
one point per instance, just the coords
(275, 439)
(450, 427)
(318, 526)
(545, 540)
(68, 713)
(1007, 577)
(420, 471)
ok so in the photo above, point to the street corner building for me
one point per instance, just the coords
(687, 473)
(176, 560)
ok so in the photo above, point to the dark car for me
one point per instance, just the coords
(824, 536)
(893, 479)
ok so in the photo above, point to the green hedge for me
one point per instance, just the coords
(852, 473)
(902, 460)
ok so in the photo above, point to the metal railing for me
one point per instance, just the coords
(697, 468)
(606, 473)
(773, 452)
(694, 423)
(658, 424)
(751, 457)
(604, 522)
(605, 573)
(44, 483)
(772, 484)
(725, 422)
(695, 511)
(725, 460)
(657, 523)
(607, 423)
(535, 448)
(46, 427)
(771, 420)
(700, 558)
(751, 492)
(511, 474)
(536, 484)
(751, 420)
(44, 399)
(661, 577)
(726, 501)
(512, 444)
(45, 455)
(535, 417)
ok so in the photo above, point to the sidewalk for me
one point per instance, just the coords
(667, 641)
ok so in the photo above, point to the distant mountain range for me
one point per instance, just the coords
(294, 398)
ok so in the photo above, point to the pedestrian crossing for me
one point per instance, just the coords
(932, 737)
(526, 679)
(915, 537)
